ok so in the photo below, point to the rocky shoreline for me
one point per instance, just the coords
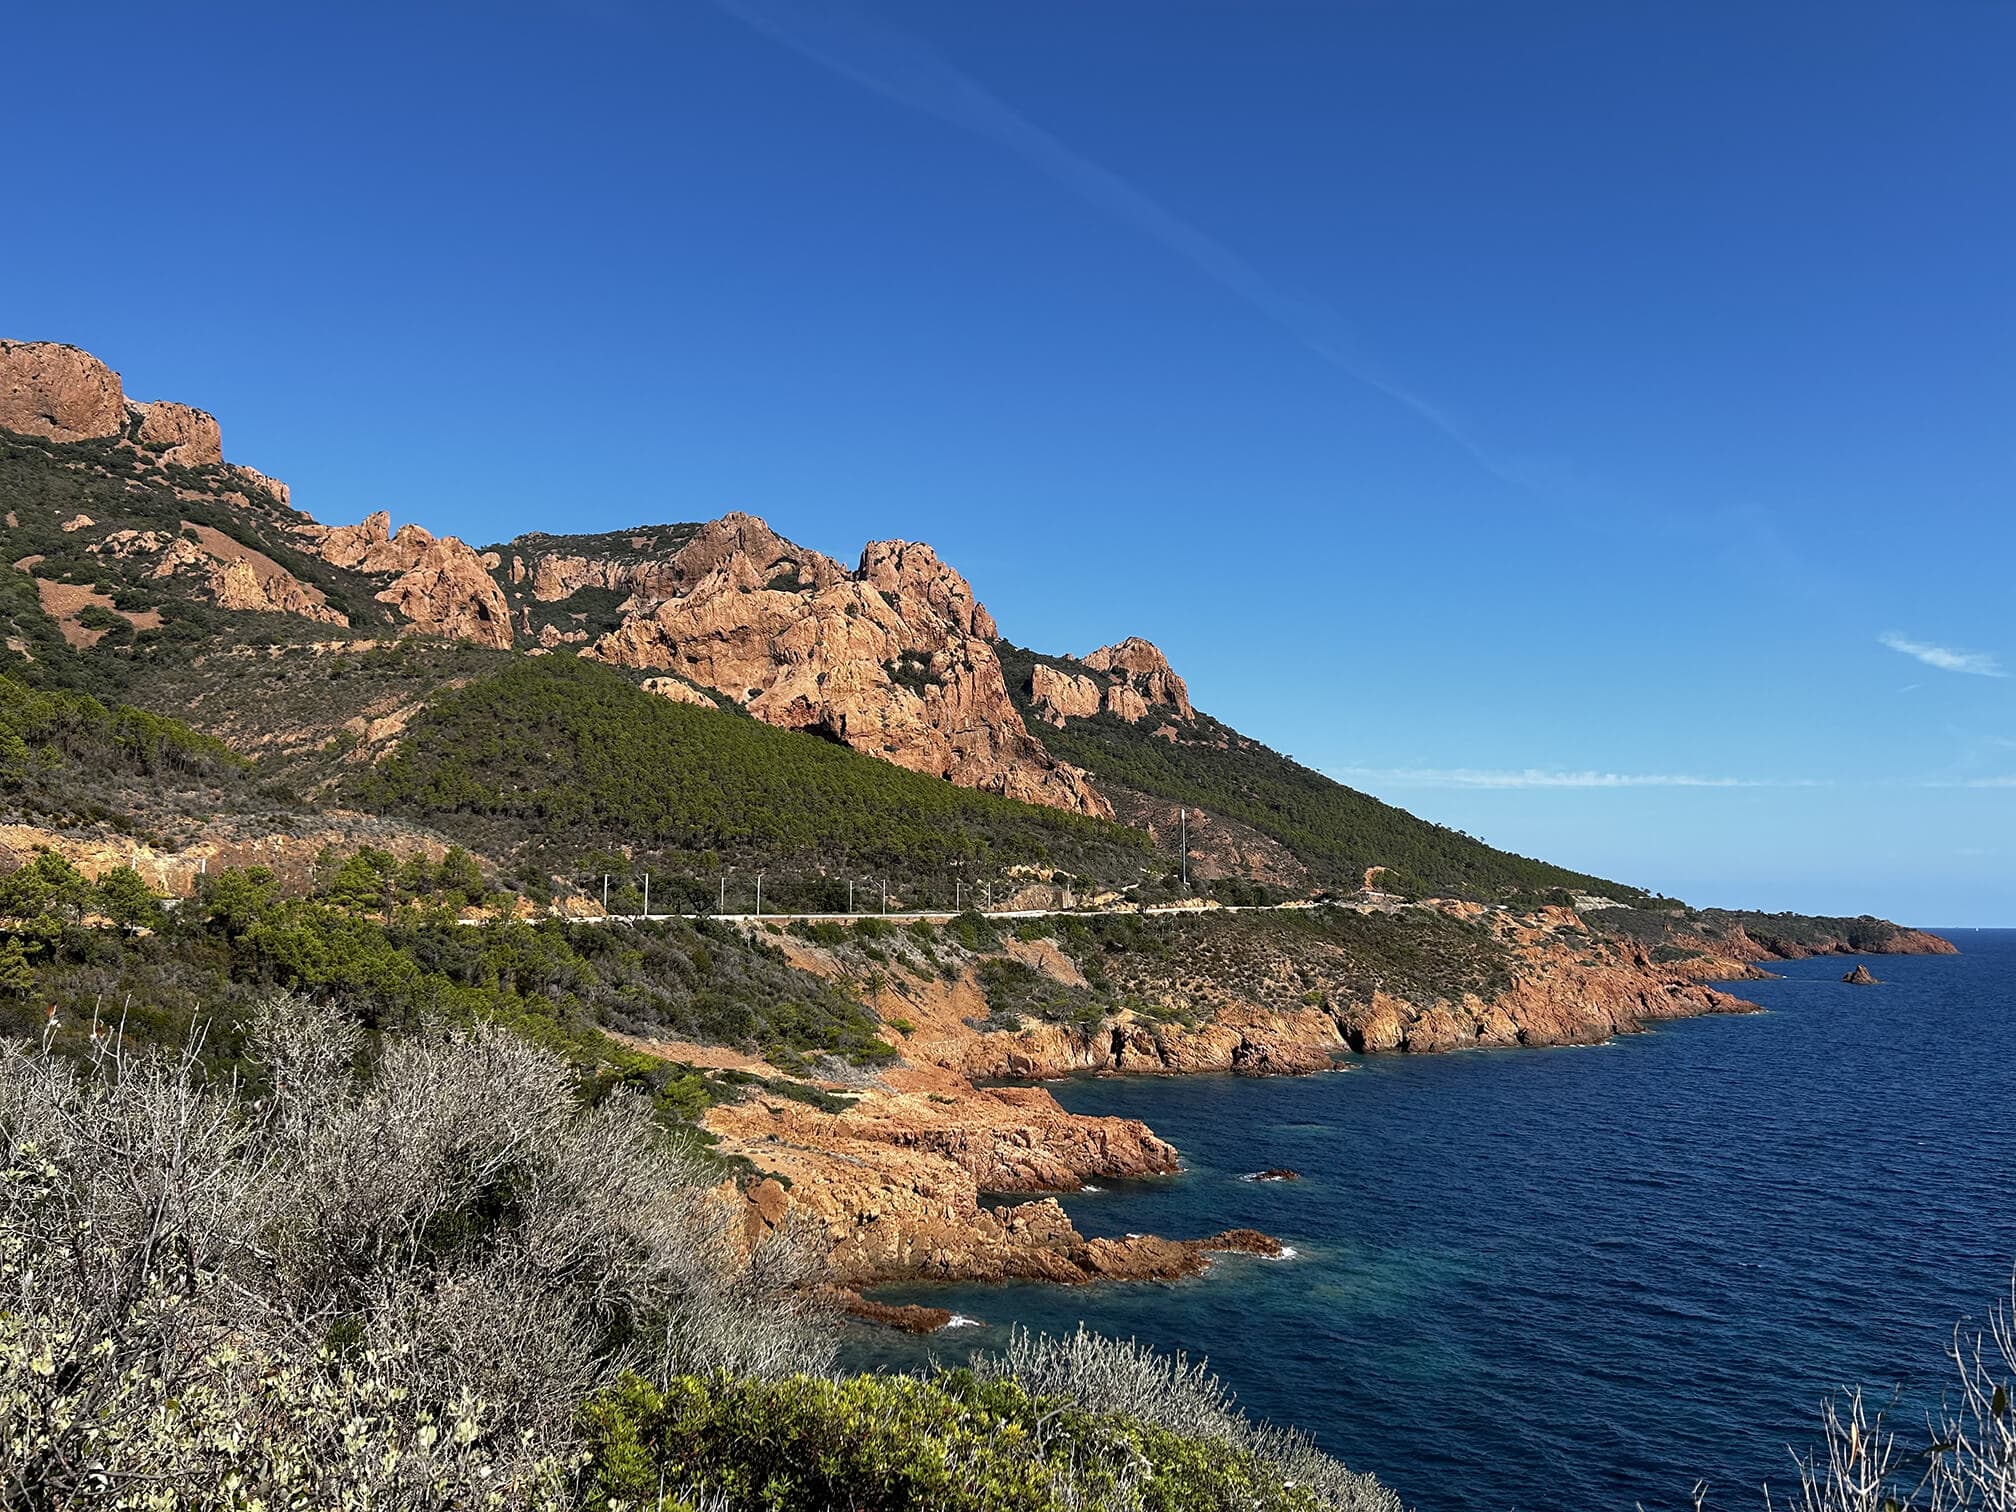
(896, 1179)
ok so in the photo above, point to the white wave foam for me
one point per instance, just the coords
(959, 1320)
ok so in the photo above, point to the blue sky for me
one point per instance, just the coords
(1591, 425)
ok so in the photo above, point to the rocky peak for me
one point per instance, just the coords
(896, 659)
(59, 393)
(1129, 681)
(912, 572)
(182, 434)
(440, 585)
(752, 556)
(1141, 666)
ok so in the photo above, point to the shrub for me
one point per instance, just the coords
(1967, 1459)
(1129, 1380)
(384, 1280)
(973, 931)
(959, 1441)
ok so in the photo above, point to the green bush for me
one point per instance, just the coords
(874, 1443)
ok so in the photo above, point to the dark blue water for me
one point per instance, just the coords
(1580, 1279)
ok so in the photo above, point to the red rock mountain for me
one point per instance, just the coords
(895, 656)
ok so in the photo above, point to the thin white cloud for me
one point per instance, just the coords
(1535, 777)
(907, 71)
(1945, 658)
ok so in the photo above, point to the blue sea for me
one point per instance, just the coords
(1582, 1279)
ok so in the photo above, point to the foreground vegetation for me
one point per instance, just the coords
(427, 1276)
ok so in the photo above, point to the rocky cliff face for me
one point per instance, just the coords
(62, 394)
(182, 435)
(58, 392)
(1129, 681)
(440, 586)
(894, 658)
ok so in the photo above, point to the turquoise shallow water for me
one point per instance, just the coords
(1580, 1279)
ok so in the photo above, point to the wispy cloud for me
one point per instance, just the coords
(907, 71)
(1536, 777)
(1945, 658)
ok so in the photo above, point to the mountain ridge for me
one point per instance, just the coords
(895, 657)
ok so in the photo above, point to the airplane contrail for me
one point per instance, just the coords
(907, 71)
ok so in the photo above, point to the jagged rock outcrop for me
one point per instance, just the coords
(227, 572)
(677, 691)
(57, 392)
(441, 584)
(895, 1184)
(558, 575)
(908, 573)
(895, 659)
(1861, 976)
(182, 434)
(1059, 695)
(1129, 681)
(256, 481)
(1143, 678)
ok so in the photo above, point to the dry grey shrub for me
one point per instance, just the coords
(1114, 1376)
(386, 1287)
(1968, 1457)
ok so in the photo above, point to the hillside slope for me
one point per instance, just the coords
(1148, 747)
(419, 677)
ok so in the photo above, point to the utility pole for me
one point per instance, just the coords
(885, 895)
(647, 895)
(722, 907)
(759, 895)
(850, 896)
(1184, 821)
(605, 892)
